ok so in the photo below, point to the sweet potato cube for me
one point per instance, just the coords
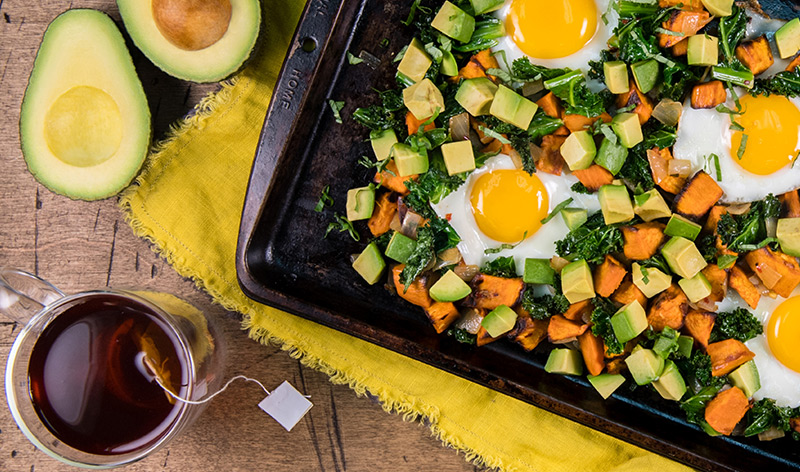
(390, 178)
(712, 220)
(442, 315)
(699, 194)
(482, 337)
(616, 366)
(725, 410)
(681, 48)
(744, 287)
(727, 355)
(579, 311)
(608, 276)
(634, 97)
(795, 423)
(628, 292)
(489, 292)
(417, 291)
(755, 54)
(551, 160)
(528, 332)
(643, 240)
(708, 95)
(477, 66)
(698, 325)
(594, 177)
(561, 329)
(790, 204)
(793, 65)
(551, 105)
(582, 123)
(778, 271)
(681, 21)
(592, 349)
(413, 124)
(668, 308)
(382, 217)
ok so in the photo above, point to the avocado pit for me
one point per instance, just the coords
(192, 25)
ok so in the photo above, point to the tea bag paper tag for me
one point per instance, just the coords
(286, 405)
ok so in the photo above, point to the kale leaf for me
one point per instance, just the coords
(444, 236)
(707, 246)
(487, 30)
(783, 83)
(636, 169)
(524, 71)
(501, 267)
(462, 335)
(765, 414)
(737, 324)
(697, 369)
(422, 255)
(543, 306)
(542, 125)
(575, 95)
(604, 309)
(678, 78)
(731, 31)
(747, 232)
(431, 186)
(695, 405)
(591, 241)
(657, 262)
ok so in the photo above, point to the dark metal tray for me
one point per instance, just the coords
(283, 260)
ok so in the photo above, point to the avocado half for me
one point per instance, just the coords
(84, 122)
(195, 40)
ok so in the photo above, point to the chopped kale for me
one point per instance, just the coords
(462, 335)
(737, 324)
(636, 169)
(431, 186)
(392, 100)
(336, 108)
(487, 30)
(695, 405)
(542, 125)
(444, 236)
(590, 241)
(578, 187)
(377, 117)
(765, 414)
(706, 244)
(422, 255)
(746, 232)
(636, 45)
(575, 95)
(732, 29)
(543, 306)
(678, 78)
(697, 369)
(604, 309)
(501, 267)
(596, 70)
(524, 71)
(657, 262)
(451, 106)
(783, 83)
(659, 135)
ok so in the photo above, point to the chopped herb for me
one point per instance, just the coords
(400, 55)
(742, 147)
(738, 324)
(670, 32)
(609, 133)
(379, 166)
(462, 335)
(501, 267)
(726, 261)
(557, 210)
(737, 127)
(342, 224)
(494, 134)
(411, 13)
(336, 107)
(505, 246)
(604, 309)
(419, 259)
(353, 60)
(384, 42)
(324, 199)
(645, 278)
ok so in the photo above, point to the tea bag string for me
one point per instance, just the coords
(208, 398)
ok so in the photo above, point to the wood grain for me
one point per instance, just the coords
(82, 245)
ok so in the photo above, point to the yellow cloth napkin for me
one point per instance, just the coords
(188, 201)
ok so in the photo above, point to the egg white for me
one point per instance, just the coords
(577, 60)
(777, 381)
(456, 207)
(704, 132)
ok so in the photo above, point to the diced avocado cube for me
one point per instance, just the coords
(576, 281)
(360, 203)
(538, 271)
(615, 204)
(670, 384)
(644, 365)
(606, 384)
(369, 264)
(382, 142)
(415, 62)
(499, 321)
(628, 129)
(664, 345)
(485, 6)
(454, 22)
(646, 74)
(512, 108)
(476, 95)
(788, 234)
(409, 161)
(685, 345)
(423, 99)
(449, 288)
(564, 361)
(574, 217)
(616, 76)
(629, 321)
(650, 205)
(400, 247)
(719, 7)
(611, 156)
(787, 38)
(458, 157)
(449, 65)
(650, 280)
(578, 149)
(680, 226)
(703, 50)
(696, 288)
(746, 378)
(683, 257)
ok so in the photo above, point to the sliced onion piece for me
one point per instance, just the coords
(658, 165)
(459, 127)
(470, 321)
(680, 167)
(466, 272)
(411, 224)
(447, 258)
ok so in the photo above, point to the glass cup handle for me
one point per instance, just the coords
(23, 295)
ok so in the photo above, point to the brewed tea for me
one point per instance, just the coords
(91, 376)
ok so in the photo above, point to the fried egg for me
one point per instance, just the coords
(772, 126)
(777, 357)
(500, 204)
(556, 33)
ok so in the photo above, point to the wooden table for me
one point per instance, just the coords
(81, 245)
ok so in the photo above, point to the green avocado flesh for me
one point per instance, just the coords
(84, 122)
(195, 46)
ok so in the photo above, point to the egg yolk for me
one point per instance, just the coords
(783, 333)
(508, 205)
(548, 29)
(771, 125)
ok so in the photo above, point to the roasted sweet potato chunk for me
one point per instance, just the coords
(719, 282)
(681, 48)
(592, 350)
(668, 308)
(755, 54)
(790, 204)
(561, 329)
(682, 21)
(793, 65)
(528, 332)
(477, 66)
(442, 315)
(699, 194)
(551, 105)
(727, 355)
(738, 281)
(483, 338)
(628, 292)
(551, 160)
(708, 95)
(608, 276)
(594, 177)
(616, 366)
(699, 324)
(489, 292)
(725, 410)
(634, 97)
(712, 220)
(778, 271)
(642, 240)
(390, 179)
(413, 124)
(579, 311)
(417, 291)
(382, 217)
(582, 123)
